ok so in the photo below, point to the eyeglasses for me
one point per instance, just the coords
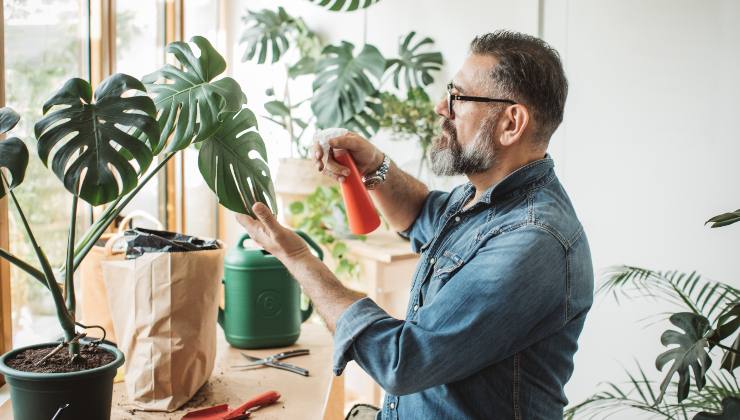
(451, 98)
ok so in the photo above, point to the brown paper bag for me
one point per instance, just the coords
(164, 308)
(93, 308)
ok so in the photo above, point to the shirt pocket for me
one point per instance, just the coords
(445, 265)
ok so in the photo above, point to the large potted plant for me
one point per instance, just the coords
(104, 148)
(709, 319)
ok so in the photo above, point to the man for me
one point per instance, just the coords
(504, 281)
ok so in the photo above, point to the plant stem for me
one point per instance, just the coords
(65, 318)
(730, 349)
(113, 211)
(69, 286)
(28, 268)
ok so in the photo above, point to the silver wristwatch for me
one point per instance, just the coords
(377, 177)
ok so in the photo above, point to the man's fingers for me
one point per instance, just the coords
(349, 141)
(264, 215)
(335, 168)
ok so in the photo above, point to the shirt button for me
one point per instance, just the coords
(416, 308)
(457, 218)
(392, 406)
(431, 261)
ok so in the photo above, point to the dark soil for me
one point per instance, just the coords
(90, 358)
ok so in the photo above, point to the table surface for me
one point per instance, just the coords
(302, 397)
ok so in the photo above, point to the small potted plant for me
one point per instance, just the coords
(103, 148)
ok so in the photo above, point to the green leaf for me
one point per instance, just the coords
(92, 137)
(344, 5)
(8, 119)
(277, 108)
(724, 219)
(414, 66)
(296, 207)
(340, 248)
(266, 32)
(188, 100)
(730, 411)
(304, 66)
(344, 83)
(233, 163)
(689, 353)
(14, 158)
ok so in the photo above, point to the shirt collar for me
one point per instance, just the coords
(524, 177)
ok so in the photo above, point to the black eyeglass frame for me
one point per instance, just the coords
(451, 98)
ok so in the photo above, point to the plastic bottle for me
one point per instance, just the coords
(361, 213)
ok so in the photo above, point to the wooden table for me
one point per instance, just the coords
(319, 396)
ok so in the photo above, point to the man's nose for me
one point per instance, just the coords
(442, 109)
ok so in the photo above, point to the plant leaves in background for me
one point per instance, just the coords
(344, 5)
(724, 219)
(238, 179)
(730, 411)
(189, 103)
(412, 66)
(266, 31)
(689, 353)
(8, 119)
(91, 138)
(14, 159)
(344, 83)
(13, 152)
(368, 121)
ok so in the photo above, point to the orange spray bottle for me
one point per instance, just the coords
(361, 213)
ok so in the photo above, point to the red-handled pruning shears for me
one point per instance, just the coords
(244, 411)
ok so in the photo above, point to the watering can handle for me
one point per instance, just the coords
(309, 241)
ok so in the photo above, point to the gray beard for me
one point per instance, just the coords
(453, 159)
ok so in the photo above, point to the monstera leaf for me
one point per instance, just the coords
(367, 122)
(414, 66)
(727, 324)
(344, 5)
(267, 31)
(234, 164)
(345, 83)
(92, 138)
(689, 353)
(188, 101)
(13, 152)
(725, 219)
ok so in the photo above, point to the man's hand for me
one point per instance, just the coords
(283, 243)
(367, 157)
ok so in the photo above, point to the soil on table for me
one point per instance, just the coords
(90, 358)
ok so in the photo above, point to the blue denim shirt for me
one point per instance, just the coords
(498, 301)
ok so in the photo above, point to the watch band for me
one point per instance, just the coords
(377, 177)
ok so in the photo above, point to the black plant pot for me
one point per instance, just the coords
(38, 396)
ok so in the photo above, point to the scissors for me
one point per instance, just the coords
(274, 361)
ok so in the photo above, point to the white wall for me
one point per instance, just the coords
(648, 144)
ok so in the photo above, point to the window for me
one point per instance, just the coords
(139, 51)
(43, 48)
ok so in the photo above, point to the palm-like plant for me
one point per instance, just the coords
(101, 147)
(710, 317)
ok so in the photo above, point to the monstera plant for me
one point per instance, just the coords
(348, 81)
(344, 5)
(104, 147)
(709, 319)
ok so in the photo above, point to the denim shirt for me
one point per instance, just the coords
(498, 301)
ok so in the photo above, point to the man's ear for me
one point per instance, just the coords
(515, 120)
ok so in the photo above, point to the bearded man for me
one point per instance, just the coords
(504, 280)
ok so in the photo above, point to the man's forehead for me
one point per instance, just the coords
(474, 75)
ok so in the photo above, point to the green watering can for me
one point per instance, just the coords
(262, 301)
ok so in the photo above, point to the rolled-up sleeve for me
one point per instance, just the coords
(425, 224)
(485, 313)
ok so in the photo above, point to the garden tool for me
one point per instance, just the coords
(244, 411)
(273, 361)
(361, 213)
